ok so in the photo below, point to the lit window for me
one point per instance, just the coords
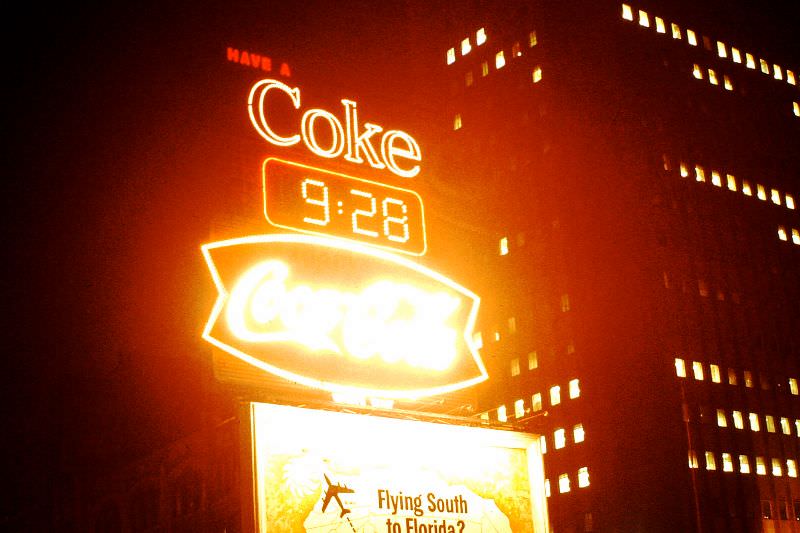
(712, 77)
(699, 173)
(748, 379)
(537, 74)
(731, 182)
(515, 50)
(722, 420)
(547, 488)
(751, 62)
(468, 79)
(727, 462)
(466, 47)
(790, 77)
(574, 389)
(716, 179)
(697, 369)
(793, 386)
(680, 368)
(559, 438)
(769, 420)
(485, 68)
(721, 49)
(796, 109)
(761, 192)
(777, 468)
(644, 19)
(782, 233)
(564, 303)
(791, 469)
(519, 408)
(797, 427)
(761, 468)
(536, 401)
(715, 375)
(775, 196)
(627, 12)
(727, 82)
(660, 25)
(795, 236)
(711, 462)
(485, 416)
(732, 380)
(563, 483)
(697, 72)
(504, 246)
(499, 60)
(790, 201)
(736, 56)
(692, 459)
(754, 425)
(764, 66)
(778, 73)
(583, 477)
(451, 56)
(786, 428)
(746, 188)
(744, 464)
(532, 40)
(501, 414)
(515, 366)
(477, 340)
(691, 38)
(533, 360)
(578, 434)
(738, 421)
(684, 170)
(480, 37)
(676, 31)
(457, 122)
(543, 443)
(555, 395)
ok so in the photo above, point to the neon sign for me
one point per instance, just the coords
(321, 202)
(396, 151)
(342, 316)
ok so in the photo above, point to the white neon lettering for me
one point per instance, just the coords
(397, 323)
(362, 213)
(357, 142)
(309, 137)
(388, 220)
(409, 151)
(395, 145)
(260, 122)
(323, 203)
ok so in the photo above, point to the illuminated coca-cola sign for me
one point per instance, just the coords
(342, 316)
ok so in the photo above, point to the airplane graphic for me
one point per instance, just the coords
(333, 491)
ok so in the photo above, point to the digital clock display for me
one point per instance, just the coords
(322, 202)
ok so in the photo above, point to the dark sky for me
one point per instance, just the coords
(115, 119)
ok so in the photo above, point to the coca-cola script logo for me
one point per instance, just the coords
(341, 316)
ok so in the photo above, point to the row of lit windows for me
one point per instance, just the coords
(573, 389)
(713, 78)
(723, 50)
(726, 464)
(732, 183)
(782, 235)
(754, 422)
(466, 45)
(560, 437)
(564, 484)
(699, 373)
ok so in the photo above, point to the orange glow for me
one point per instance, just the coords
(398, 331)
(317, 201)
(399, 151)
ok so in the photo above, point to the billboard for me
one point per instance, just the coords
(324, 471)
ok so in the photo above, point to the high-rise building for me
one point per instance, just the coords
(625, 177)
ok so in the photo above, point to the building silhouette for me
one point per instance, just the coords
(628, 174)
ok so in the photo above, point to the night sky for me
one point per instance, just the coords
(116, 121)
